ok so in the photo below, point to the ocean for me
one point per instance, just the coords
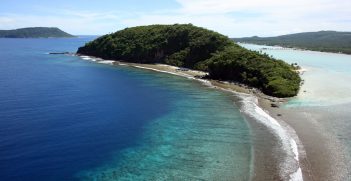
(65, 118)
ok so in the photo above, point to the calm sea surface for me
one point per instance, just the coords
(63, 118)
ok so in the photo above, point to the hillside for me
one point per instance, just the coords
(35, 32)
(193, 47)
(326, 41)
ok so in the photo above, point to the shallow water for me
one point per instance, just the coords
(327, 76)
(202, 138)
(325, 98)
(64, 118)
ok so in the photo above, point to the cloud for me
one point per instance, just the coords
(231, 17)
(268, 6)
(4, 20)
(74, 22)
(256, 17)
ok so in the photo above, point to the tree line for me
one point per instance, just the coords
(186, 45)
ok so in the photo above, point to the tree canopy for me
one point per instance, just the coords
(325, 41)
(273, 77)
(193, 47)
(35, 32)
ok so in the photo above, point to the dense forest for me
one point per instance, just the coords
(325, 41)
(273, 77)
(197, 48)
(35, 32)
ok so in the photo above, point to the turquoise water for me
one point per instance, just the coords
(327, 77)
(64, 118)
(324, 99)
(204, 137)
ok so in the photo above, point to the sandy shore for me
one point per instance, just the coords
(315, 159)
(264, 170)
(322, 156)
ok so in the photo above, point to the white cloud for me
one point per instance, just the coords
(266, 18)
(269, 6)
(4, 20)
(74, 22)
(231, 17)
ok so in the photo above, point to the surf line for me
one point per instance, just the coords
(250, 108)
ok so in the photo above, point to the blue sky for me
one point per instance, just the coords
(235, 18)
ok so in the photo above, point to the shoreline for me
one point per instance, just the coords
(264, 103)
(295, 48)
(323, 156)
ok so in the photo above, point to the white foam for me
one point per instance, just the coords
(251, 108)
(109, 62)
(87, 58)
(205, 82)
(294, 149)
(296, 176)
(288, 144)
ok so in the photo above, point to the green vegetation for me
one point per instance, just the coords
(325, 41)
(180, 45)
(36, 32)
(273, 77)
(193, 47)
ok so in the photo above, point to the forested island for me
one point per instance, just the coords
(35, 32)
(325, 41)
(185, 45)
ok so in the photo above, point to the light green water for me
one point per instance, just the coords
(324, 98)
(327, 77)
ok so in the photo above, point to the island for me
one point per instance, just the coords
(324, 41)
(35, 32)
(189, 46)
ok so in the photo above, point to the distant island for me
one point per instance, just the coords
(35, 32)
(325, 41)
(185, 45)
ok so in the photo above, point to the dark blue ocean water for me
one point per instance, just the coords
(63, 118)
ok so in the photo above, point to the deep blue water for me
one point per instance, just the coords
(63, 118)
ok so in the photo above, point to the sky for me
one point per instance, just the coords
(234, 18)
